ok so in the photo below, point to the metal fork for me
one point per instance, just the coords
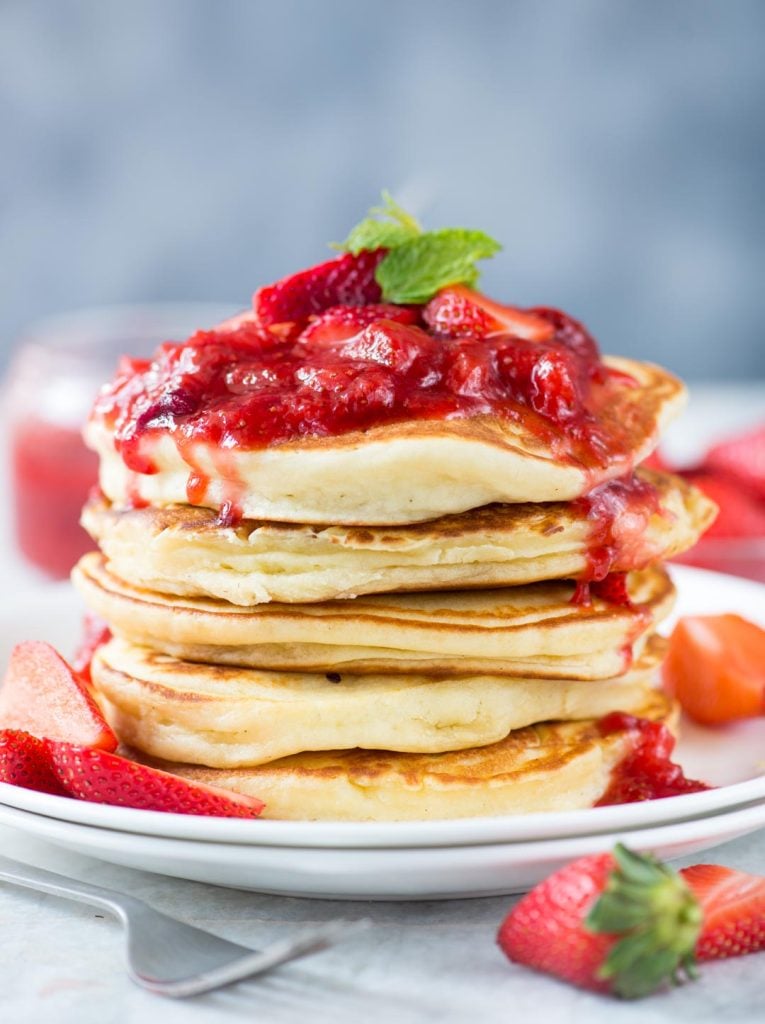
(167, 956)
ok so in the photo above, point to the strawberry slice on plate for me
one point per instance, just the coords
(24, 762)
(625, 924)
(42, 695)
(347, 280)
(461, 312)
(105, 778)
(715, 667)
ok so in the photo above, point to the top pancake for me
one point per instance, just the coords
(182, 550)
(405, 472)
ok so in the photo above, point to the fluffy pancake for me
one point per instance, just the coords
(397, 473)
(228, 717)
(180, 549)
(555, 766)
(533, 630)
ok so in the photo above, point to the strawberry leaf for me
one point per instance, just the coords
(415, 270)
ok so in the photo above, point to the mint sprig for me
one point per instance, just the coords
(418, 263)
(386, 227)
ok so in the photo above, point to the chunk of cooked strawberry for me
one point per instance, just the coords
(105, 778)
(344, 281)
(743, 458)
(42, 695)
(24, 762)
(548, 379)
(461, 312)
(612, 588)
(569, 332)
(340, 323)
(398, 346)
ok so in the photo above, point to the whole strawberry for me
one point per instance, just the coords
(625, 924)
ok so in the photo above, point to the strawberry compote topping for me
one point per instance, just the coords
(619, 512)
(646, 773)
(321, 355)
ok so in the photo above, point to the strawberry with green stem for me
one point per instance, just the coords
(625, 924)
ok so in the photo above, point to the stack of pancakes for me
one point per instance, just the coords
(415, 652)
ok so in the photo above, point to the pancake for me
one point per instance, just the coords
(227, 717)
(180, 549)
(534, 630)
(555, 766)
(396, 473)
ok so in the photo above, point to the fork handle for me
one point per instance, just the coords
(30, 877)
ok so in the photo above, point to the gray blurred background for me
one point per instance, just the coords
(193, 149)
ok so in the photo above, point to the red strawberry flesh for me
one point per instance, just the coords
(344, 281)
(42, 695)
(24, 762)
(733, 909)
(105, 778)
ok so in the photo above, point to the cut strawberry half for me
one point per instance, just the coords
(715, 667)
(460, 312)
(341, 323)
(733, 910)
(742, 458)
(344, 281)
(42, 695)
(104, 778)
(24, 762)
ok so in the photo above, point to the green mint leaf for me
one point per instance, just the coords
(417, 268)
(386, 227)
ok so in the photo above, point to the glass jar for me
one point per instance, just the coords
(58, 367)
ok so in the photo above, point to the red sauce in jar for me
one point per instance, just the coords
(53, 472)
(647, 772)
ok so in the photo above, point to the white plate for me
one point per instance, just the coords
(449, 872)
(732, 758)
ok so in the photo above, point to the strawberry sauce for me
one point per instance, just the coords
(339, 367)
(646, 773)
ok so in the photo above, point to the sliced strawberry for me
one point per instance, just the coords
(95, 633)
(104, 778)
(41, 694)
(24, 762)
(621, 923)
(741, 514)
(344, 281)
(742, 458)
(460, 312)
(733, 910)
(341, 323)
(715, 667)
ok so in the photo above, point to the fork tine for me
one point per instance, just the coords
(255, 963)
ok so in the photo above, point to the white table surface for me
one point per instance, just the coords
(61, 962)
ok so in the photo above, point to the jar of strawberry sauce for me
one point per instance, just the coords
(57, 369)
